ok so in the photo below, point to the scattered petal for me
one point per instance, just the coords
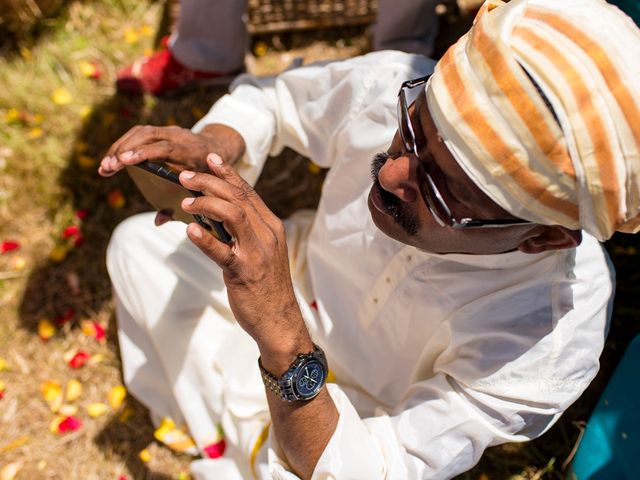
(314, 169)
(174, 438)
(9, 246)
(46, 329)
(79, 359)
(148, 51)
(61, 96)
(10, 471)
(4, 365)
(68, 410)
(131, 36)
(116, 396)
(146, 30)
(3, 389)
(94, 329)
(86, 162)
(70, 231)
(126, 414)
(123, 477)
(85, 111)
(101, 334)
(34, 133)
(145, 455)
(12, 116)
(73, 390)
(95, 359)
(183, 476)
(97, 409)
(59, 253)
(215, 450)
(66, 317)
(26, 53)
(52, 393)
(69, 424)
(116, 200)
(37, 119)
(82, 214)
(18, 263)
(89, 69)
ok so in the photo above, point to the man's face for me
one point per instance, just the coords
(398, 208)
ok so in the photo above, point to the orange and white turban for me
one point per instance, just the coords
(539, 104)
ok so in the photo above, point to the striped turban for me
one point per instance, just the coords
(539, 105)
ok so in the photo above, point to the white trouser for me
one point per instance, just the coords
(211, 35)
(183, 354)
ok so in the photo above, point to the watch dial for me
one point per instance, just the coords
(310, 378)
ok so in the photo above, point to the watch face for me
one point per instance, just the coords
(309, 379)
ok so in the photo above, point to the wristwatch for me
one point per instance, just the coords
(303, 380)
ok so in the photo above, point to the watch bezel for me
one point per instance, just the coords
(288, 382)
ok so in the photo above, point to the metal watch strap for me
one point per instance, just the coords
(273, 383)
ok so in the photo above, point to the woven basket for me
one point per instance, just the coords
(271, 16)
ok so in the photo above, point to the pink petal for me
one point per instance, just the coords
(69, 424)
(79, 359)
(82, 214)
(8, 246)
(215, 450)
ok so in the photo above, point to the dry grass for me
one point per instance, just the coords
(45, 178)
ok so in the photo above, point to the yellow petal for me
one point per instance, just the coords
(95, 359)
(68, 410)
(314, 169)
(85, 111)
(146, 30)
(145, 455)
(87, 69)
(61, 96)
(34, 133)
(166, 426)
(26, 53)
(18, 263)
(10, 471)
(52, 393)
(97, 409)
(4, 365)
(126, 414)
(2, 386)
(12, 115)
(116, 396)
(59, 253)
(53, 426)
(130, 36)
(73, 390)
(37, 119)
(46, 329)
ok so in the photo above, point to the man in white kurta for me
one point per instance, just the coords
(433, 357)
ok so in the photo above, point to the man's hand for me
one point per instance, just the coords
(178, 147)
(255, 265)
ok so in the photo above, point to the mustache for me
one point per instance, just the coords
(393, 206)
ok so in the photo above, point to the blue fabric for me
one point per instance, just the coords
(610, 447)
(630, 7)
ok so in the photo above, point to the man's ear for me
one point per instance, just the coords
(552, 237)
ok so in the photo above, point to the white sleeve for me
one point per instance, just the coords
(304, 108)
(508, 381)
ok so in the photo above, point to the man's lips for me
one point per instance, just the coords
(376, 200)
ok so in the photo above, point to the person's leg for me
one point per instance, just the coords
(410, 26)
(208, 46)
(211, 35)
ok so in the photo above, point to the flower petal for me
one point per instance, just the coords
(46, 329)
(79, 359)
(116, 200)
(145, 455)
(8, 246)
(61, 96)
(73, 390)
(97, 409)
(116, 396)
(69, 424)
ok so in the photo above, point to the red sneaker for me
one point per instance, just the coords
(162, 74)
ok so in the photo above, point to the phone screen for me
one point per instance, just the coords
(160, 186)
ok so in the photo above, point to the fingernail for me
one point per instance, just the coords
(113, 162)
(188, 201)
(214, 158)
(187, 174)
(127, 155)
(195, 231)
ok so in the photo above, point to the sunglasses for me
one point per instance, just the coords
(432, 196)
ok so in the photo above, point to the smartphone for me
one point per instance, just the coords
(160, 186)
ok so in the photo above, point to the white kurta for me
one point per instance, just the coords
(436, 357)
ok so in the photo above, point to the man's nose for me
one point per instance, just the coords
(399, 176)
